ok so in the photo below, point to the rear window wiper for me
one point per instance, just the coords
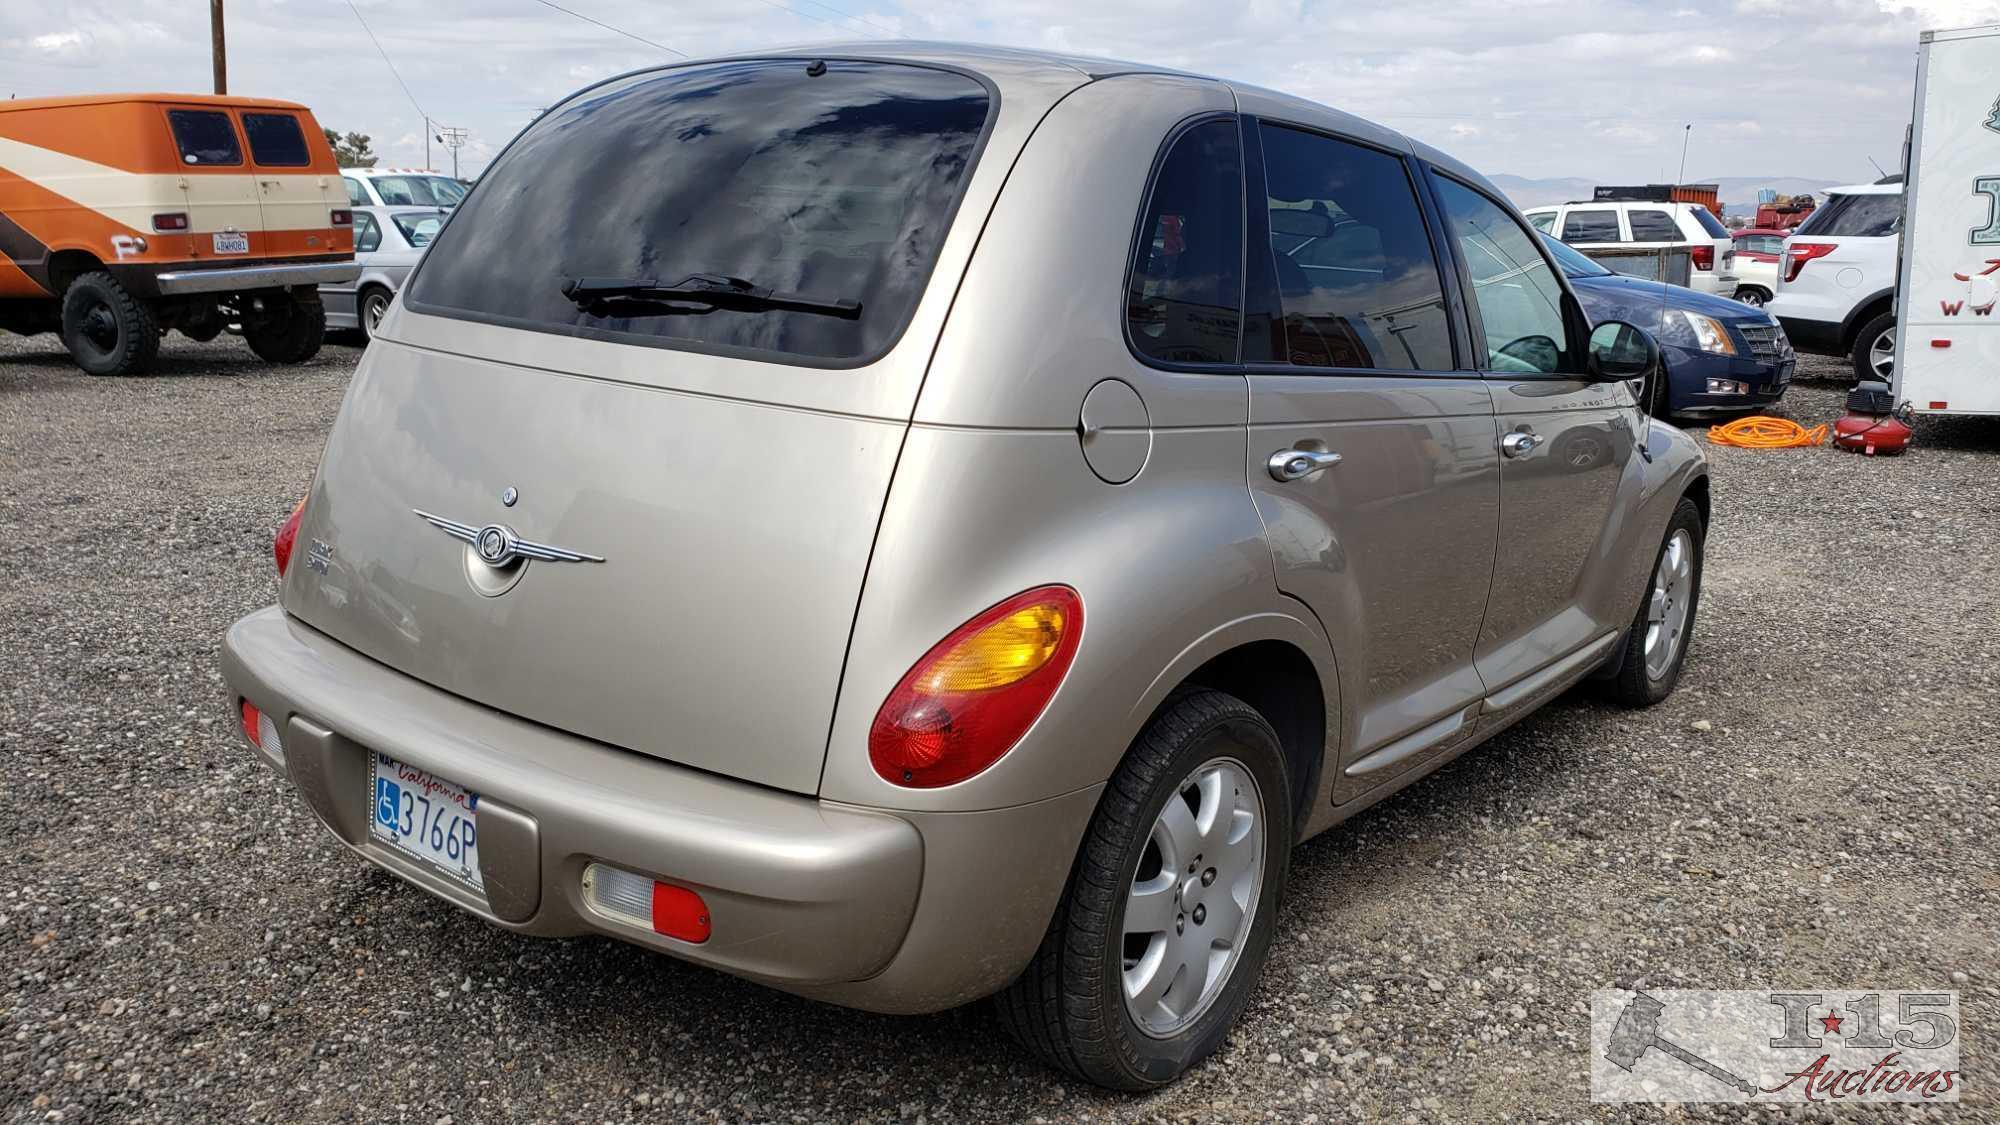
(626, 295)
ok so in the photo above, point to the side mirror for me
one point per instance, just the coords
(1623, 351)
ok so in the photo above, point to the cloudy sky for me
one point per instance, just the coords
(1593, 88)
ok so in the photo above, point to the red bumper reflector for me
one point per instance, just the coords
(250, 717)
(679, 913)
(1940, 406)
(1940, 343)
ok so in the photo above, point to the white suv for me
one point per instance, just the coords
(1837, 278)
(1645, 225)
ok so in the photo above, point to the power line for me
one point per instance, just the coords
(392, 66)
(855, 18)
(608, 27)
(810, 16)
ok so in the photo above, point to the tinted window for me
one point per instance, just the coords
(1653, 226)
(1760, 243)
(1518, 296)
(837, 187)
(1357, 284)
(1544, 221)
(1184, 299)
(367, 233)
(1591, 226)
(356, 194)
(276, 141)
(204, 136)
(1709, 222)
(1855, 216)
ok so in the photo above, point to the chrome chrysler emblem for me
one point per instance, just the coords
(498, 546)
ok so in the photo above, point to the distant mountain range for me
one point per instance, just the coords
(1739, 193)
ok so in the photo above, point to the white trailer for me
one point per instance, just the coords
(1947, 326)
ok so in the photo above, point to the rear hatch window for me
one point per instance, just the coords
(1855, 216)
(770, 208)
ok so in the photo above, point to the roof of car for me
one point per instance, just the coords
(392, 172)
(1759, 230)
(1866, 189)
(224, 100)
(1029, 63)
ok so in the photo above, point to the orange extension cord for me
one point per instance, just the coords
(1761, 431)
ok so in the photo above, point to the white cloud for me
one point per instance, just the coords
(1588, 88)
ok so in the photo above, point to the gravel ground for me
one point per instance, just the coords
(1816, 806)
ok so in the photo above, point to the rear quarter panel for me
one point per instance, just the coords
(992, 494)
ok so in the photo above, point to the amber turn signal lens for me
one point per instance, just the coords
(974, 694)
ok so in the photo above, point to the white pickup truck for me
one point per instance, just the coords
(1948, 329)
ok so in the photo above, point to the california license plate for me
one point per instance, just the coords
(227, 243)
(427, 818)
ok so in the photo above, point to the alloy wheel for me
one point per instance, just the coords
(1667, 604)
(1882, 353)
(1192, 898)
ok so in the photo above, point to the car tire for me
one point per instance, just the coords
(106, 329)
(1879, 332)
(1752, 296)
(290, 329)
(1070, 1006)
(1646, 674)
(369, 310)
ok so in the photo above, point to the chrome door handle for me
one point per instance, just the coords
(1520, 443)
(1294, 464)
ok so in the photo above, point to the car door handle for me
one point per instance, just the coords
(1520, 443)
(1295, 464)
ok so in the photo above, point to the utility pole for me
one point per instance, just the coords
(454, 139)
(219, 56)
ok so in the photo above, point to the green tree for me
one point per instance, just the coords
(351, 151)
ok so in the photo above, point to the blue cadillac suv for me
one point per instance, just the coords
(1721, 356)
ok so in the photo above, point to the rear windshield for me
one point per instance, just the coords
(276, 140)
(834, 181)
(1855, 216)
(1709, 222)
(204, 136)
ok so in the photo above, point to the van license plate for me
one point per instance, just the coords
(427, 818)
(232, 243)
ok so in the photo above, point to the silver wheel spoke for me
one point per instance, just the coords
(1151, 906)
(1182, 835)
(1656, 606)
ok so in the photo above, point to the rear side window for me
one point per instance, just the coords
(1591, 226)
(1654, 226)
(204, 136)
(1357, 283)
(1544, 221)
(367, 234)
(276, 141)
(1855, 216)
(1184, 299)
(356, 194)
(810, 186)
(1709, 222)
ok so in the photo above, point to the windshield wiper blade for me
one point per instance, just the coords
(596, 295)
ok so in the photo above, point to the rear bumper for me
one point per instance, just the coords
(229, 279)
(857, 906)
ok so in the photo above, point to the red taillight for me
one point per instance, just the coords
(288, 534)
(974, 694)
(171, 221)
(1704, 257)
(250, 731)
(1797, 254)
(343, 218)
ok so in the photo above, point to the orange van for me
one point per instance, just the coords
(125, 216)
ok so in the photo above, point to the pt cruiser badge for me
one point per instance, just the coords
(498, 546)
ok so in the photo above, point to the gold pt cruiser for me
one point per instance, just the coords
(906, 524)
